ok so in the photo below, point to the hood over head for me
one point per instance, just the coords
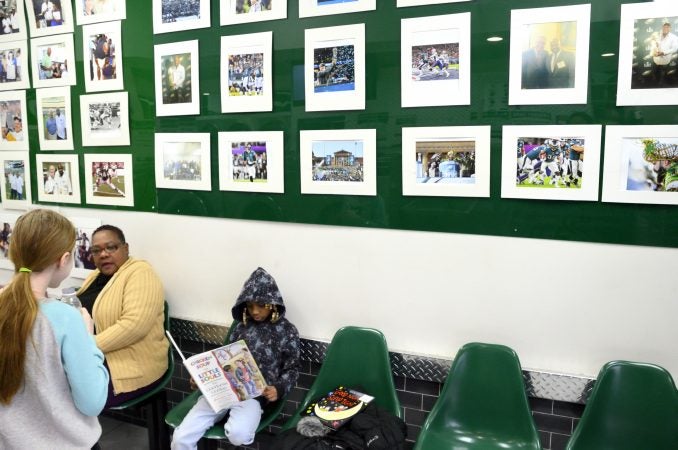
(260, 288)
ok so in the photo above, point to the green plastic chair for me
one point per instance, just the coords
(633, 406)
(153, 404)
(482, 406)
(357, 357)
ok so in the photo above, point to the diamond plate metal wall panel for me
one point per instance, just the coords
(553, 386)
(420, 367)
(198, 331)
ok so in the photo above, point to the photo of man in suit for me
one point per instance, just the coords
(560, 66)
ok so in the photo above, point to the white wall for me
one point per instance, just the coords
(565, 307)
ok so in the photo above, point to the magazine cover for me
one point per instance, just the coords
(338, 406)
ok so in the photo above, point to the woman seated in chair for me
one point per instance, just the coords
(125, 297)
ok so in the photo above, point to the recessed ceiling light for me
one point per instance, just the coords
(495, 39)
(607, 55)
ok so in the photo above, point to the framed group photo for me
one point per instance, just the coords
(46, 17)
(14, 21)
(435, 60)
(177, 79)
(58, 178)
(251, 161)
(446, 161)
(338, 162)
(247, 11)
(104, 119)
(102, 45)
(13, 131)
(54, 118)
(15, 75)
(15, 171)
(406, 3)
(549, 55)
(179, 15)
(95, 11)
(53, 61)
(246, 75)
(312, 8)
(182, 161)
(108, 179)
(334, 68)
(550, 162)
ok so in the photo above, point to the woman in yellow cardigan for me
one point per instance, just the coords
(125, 298)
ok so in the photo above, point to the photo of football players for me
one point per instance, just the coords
(249, 162)
(246, 74)
(104, 117)
(435, 62)
(555, 162)
(108, 178)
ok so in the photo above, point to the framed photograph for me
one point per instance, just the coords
(58, 178)
(549, 55)
(13, 21)
(47, 17)
(553, 162)
(435, 60)
(7, 221)
(405, 3)
(179, 15)
(648, 54)
(102, 43)
(251, 161)
(177, 79)
(16, 74)
(345, 164)
(15, 169)
(108, 179)
(311, 8)
(246, 75)
(182, 161)
(13, 120)
(334, 68)
(53, 61)
(104, 119)
(246, 11)
(446, 161)
(54, 118)
(95, 11)
(84, 263)
(641, 164)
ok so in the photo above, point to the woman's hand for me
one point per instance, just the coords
(89, 323)
(270, 393)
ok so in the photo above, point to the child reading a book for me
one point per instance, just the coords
(274, 344)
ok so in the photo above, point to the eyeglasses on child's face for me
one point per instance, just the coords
(109, 248)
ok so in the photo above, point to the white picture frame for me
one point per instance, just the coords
(169, 99)
(534, 77)
(57, 135)
(83, 263)
(7, 221)
(233, 12)
(103, 57)
(13, 105)
(21, 79)
(446, 161)
(329, 44)
(167, 20)
(313, 8)
(57, 19)
(96, 11)
(248, 93)
(408, 3)
(268, 173)
(53, 186)
(628, 176)
(514, 165)
(182, 161)
(639, 77)
(321, 144)
(104, 119)
(16, 194)
(444, 40)
(53, 61)
(18, 22)
(103, 183)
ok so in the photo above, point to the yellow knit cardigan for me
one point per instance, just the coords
(129, 318)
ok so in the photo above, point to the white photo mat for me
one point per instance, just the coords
(625, 164)
(523, 18)
(368, 140)
(57, 20)
(588, 190)
(84, 226)
(22, 80)
(180, 157)
(15, 104)
(47, 102)
(20, 33)
(273, 163)
(311, 8)
(66, 188)
(163, 22)
(478, 185)
(230, 15)
(406, 3)
(16, 163)
(95, 11)
(94, 68)
(61, 57)
(112, 187)
(104, 119)
(9, 220)
(189, 103)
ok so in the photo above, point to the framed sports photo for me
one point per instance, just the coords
(246, 84)
(53, 61)
(54, 118)
(58, 178)
(446, 161)
(334, 68)
(405, 3)
(102, 47)
(182, 161)
(15, 171)
(177, 79)
(549, 55)
(16, 75)
(179, 15)
(251, 161)
(338, 162)
(83, 262)
(641, 164)
(104, 119)
(247, 11)
(435, 60)
(108, 179)
(13, 121)
(14, 21)
(550, 162)
(7, 222)
(311, 8)
(46, 17)
(95, 11)
(648, 54)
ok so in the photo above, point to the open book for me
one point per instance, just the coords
(338, 406)
(225, 375)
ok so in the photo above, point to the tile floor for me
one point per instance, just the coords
(122, 435)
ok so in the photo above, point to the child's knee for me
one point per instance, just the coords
(238, 437)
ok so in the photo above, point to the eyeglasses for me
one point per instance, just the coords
(110, 249)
